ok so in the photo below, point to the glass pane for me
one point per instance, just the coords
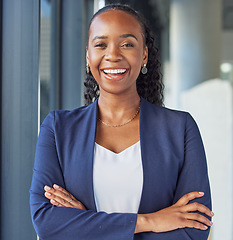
(45, 58)
(98, 4)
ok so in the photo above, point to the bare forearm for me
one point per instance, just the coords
(142, 224)
(180, 215)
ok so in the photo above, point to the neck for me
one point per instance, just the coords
(115, 109)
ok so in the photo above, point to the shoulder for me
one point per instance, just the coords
(167, 119)
(164, 113)
(65, 118)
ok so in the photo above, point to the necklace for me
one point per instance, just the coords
(120, 125)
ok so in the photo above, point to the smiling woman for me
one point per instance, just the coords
(116, 52)
(123, 167)
(149, 86)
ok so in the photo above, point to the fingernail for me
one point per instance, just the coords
(201, 193)
(205, 227)
(48, 194)
(211, 223)
(53, 201)
(212, 214)
(47, 188)
(55, 186)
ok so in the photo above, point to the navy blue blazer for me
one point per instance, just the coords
(173, 161)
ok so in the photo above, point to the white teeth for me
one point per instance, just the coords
(114, 71)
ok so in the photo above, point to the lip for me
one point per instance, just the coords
(114, 76)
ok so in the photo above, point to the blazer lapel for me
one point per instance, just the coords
(86, 146)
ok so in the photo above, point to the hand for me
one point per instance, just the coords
(59, 197)
(179, 215)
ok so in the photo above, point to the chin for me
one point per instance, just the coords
(117, 91)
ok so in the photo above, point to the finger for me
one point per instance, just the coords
(192, 207)
(78, 204)
(55, 203)
(195, 224)
(198, 217)
(188, 197)
(59, 200)
(50, 192)
(61, 203)
(56, 187)
(47, 188)
(62, 193)
(58, 194)
(52, 201)
(48, 195)
(62, 197)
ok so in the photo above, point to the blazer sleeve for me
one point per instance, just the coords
(59, 223)
(194, 175)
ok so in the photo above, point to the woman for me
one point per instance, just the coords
(122, 167)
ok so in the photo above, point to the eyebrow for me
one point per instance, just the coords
(99, 37)
(128, 35)
(122, 36)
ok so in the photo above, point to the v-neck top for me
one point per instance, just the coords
(117, 179)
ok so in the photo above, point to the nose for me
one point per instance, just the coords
(113, 53)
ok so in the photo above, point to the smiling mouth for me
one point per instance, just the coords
(114, 71)
(115, 74)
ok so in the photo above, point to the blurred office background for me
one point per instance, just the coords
(42, 67)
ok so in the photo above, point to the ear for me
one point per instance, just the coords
(145, 56)
(87, 56)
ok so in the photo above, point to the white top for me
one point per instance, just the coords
(118, 179)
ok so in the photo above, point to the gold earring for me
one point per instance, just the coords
(144, 69)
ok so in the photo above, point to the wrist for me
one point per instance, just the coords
(143, 223)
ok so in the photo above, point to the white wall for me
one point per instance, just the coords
(211, 104)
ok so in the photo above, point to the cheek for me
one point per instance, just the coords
(94, 61)
(136, 62)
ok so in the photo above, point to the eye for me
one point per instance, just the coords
(100, 45)
(127, 45)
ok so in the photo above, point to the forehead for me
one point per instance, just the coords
(116, 20)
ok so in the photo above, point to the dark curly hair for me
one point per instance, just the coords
(149, 86)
